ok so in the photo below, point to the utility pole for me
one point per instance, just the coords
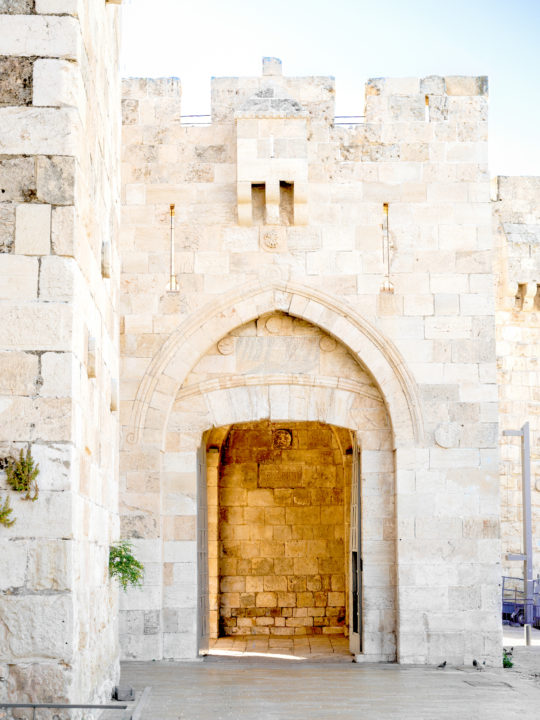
(527, 555)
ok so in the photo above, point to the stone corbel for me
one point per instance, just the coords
(530, 297)
(245, 211)
(272, 202)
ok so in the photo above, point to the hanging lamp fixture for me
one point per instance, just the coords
(173, 282)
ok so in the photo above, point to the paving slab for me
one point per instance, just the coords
(277, 689)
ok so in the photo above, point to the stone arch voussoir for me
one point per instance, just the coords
(192, 339)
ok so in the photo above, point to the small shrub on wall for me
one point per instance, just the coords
(124, 566)
(22, 475)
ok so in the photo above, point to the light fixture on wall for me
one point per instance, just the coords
(173, 282)
(386, 286)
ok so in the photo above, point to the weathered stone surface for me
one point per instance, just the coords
(427, 319)
(50, 565)
(33, 229)
(57, 83)
(28, 419)
(45, 392)
(37, 625)
(130, 112)
(55, 463)
(18, 373)
(13, 562)
(46, 131)
(31, 35)
(15, 81)
(436, 336)
(39, 682)
(16, 7)
(18, 277)
(57, 7)
(461, 85)
(62, 231)
(55, 179)
(56, 374)
(37, 327)
(17, 179)
(56, 279)
(7, 228)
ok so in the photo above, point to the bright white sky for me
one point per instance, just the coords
(352, 40)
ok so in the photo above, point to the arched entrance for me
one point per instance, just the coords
(280, 374)
(279, 530)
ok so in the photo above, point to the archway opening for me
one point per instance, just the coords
(277, 372)
(279, 513)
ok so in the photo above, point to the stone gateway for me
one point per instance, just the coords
(287, 396)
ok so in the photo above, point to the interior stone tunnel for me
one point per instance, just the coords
(280, 498)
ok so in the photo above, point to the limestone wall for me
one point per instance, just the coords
(410, 186)
(282, 527)
(59, 190)
(516, 221)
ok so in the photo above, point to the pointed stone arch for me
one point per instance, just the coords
(169, 368)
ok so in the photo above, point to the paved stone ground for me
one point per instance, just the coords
(315, 648)
(267, 689)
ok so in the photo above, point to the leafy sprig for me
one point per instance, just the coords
(22, 475)
(124, 566)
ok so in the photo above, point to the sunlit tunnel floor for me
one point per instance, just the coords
(315, 648)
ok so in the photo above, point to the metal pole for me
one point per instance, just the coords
(527, 556)
(173, 286)
(527, 523)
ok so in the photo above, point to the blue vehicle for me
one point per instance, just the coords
(513, 606)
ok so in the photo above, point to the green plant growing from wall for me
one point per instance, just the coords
(124, 566)
(22, 475)
(5, 512)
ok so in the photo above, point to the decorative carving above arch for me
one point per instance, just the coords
(192, 339)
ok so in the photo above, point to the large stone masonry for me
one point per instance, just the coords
(59, 192)
(516, 226)
(282, 523)
(378, 234)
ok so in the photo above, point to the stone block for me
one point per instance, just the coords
(15, 81)
(39, 131)
(18, 373)
(31, 35)
(50, 566)
(56, 280)
(37, 626)
(38, 681)
(57, 7)
(432, 85)
(57, 83)
(57, 370)
(62, 231)
(55, 465)
(7, 228)
(17, 179)
(18, 277)
(33, 229)
(29, 419)
(55, 179)
(44, 326)
(464, 85)
(13, 561)
(16, 7)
